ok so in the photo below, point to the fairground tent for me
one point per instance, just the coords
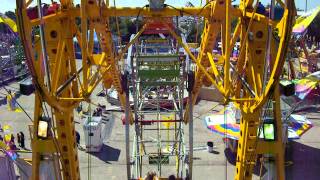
(304, 21)
(307, 92)
(9, 22)
(225, 124)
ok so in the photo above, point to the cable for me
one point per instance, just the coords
(138, 15)
(181, 11)
(43, 105)
(203, 8)
(265, 113)
(23, 36)
(168, 5)
(45, 108)
(29, 62)
(18, 104)
(89, 140)
(242, 45)
(253, 155)
(225, 139)
(117, 23)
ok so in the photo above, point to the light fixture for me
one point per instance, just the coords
(287, 88)
(268, 130)
(43, 128)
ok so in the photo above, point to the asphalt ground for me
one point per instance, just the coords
(303, 154)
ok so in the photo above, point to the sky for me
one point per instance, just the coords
(7, 5)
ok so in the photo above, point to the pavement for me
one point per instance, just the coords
(110, 163)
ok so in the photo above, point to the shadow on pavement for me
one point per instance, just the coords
(107, 154)
(306, 162)
(302, 162)
(231, 157)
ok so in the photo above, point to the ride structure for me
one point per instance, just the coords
(250, 83)
(11, 55)
(158, 87)
(300, 47)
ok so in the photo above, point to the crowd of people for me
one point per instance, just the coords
(152, 175)
(7, 42)
(9, 140)
(312, 43)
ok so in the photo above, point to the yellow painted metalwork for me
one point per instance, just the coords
(251, 119)
(227, 32)
(285, 27)
(214, 67)
(36, 143)
(67, 144)
(209, 35)
(200, 66)
(44, 146)
(71, 85)
(84, 28)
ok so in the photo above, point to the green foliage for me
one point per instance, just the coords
(19, 53)
(190, 29)
(127, 26)
(11, 15)
(194, 27)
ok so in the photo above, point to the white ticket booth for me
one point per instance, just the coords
(92, 127)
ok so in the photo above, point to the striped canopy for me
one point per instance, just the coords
(225, 124)
(303, 22)
(304, 87)
(297, 125)
(9, 22)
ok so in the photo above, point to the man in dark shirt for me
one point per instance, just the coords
(77, 138)
(22, 140)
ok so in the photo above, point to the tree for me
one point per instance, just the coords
(127, 26)
(194, 27)
(11, 15)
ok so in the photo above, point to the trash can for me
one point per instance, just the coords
(26, 87)
(210, 146)
(92, 128)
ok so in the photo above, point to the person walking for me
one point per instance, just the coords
(9, 100)
(78, 139)
(19, 139)
(22, 139)
(12, 139)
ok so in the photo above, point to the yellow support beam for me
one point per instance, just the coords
(44, 146)
(209, 39)
(67, 143)
(249, 144)
(84, 29)
(217, 16)
(226, 80)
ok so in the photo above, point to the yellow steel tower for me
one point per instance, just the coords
(249, 82)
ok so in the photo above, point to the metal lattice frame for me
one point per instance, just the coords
(156, 75)
(61, 85)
